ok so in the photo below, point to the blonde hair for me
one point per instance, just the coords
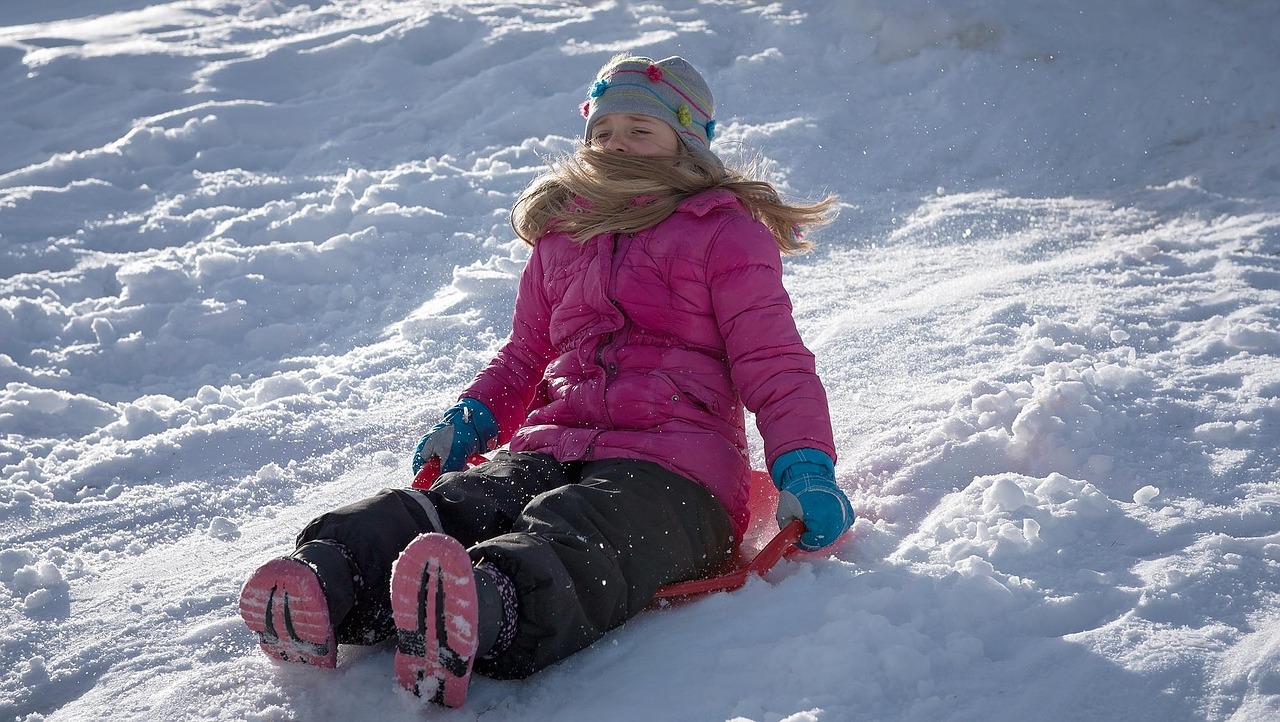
(594, 191)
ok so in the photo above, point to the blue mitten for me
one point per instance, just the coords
(806, 481)
(467, 428)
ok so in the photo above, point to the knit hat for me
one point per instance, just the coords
(670, 90)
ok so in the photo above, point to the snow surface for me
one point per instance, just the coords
(251, 248)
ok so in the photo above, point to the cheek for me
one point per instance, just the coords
(667, 144)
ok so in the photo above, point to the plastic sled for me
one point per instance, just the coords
(757, 552)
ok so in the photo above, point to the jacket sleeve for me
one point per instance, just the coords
(507, 384)
(772, 369)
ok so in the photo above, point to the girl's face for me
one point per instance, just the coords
(639, 134)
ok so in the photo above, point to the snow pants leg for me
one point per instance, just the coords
(373, 531)
(588, 556)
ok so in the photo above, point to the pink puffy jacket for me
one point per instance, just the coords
(648, 345)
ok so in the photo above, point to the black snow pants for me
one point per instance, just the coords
(587, 545)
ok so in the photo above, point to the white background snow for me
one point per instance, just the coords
(250, 249)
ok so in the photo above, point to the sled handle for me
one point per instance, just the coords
(782, 544)
(430, 471)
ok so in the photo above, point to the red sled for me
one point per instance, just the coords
(755, 555)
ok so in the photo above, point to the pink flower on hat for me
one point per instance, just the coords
(654, 73)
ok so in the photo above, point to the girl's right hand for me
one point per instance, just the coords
(467, 429)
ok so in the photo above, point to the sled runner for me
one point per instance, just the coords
(755, 555)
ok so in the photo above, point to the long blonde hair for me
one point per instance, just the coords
(594, 191)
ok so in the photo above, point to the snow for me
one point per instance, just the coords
(250, 249)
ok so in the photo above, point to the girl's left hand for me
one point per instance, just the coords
(806, 481)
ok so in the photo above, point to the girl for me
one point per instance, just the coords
(650, 313)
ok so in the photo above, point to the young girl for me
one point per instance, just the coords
(650, 313)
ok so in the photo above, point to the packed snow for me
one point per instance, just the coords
(251, 249)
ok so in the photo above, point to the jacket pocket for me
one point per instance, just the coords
(685, 387)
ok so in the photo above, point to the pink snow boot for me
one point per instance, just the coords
(284, 603)
(435, 608)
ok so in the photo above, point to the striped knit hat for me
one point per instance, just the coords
(670, 90)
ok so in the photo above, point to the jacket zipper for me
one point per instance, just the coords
(610, 296)
(611, 336)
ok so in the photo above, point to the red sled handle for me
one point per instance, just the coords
(782, 544)
(430, 471)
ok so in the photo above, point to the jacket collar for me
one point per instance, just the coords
(707, 201)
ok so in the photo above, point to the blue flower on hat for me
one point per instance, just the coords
(598, 88)
(711, 130)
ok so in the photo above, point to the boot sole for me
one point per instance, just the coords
(283, 603)
(434, 605)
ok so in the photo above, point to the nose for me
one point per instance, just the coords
(615, 143)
